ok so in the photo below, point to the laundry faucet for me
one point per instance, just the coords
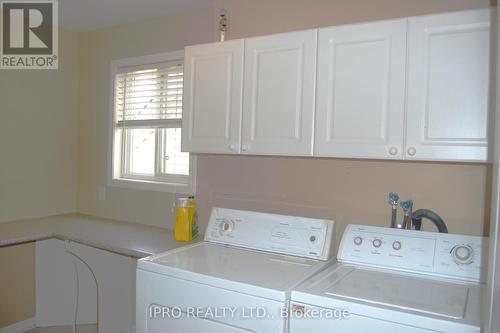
(407, 207)
(413, 219)
(394, 201)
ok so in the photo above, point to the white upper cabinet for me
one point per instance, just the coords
(361, 90)
(279, 94)
(448, 86)
(213, 81)
(413, 88)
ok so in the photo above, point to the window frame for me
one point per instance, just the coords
(178, 184)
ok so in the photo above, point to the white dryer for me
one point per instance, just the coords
(391, 280)
(239, 279)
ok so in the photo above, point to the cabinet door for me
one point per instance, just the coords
(115, 277)
(213, 78)
(361, 90)
(279, 90)
(448, 86)
(56, 285)
(60, 277)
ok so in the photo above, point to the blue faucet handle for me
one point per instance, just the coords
(393, 198)
(406, 205)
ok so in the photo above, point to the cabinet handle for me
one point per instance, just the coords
(393, 151)
(231, 147)
(412, 151)
(244, 147)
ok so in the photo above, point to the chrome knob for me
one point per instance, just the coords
(377, 243)
(358, 240)
(412, 151)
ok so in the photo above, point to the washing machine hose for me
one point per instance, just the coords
(430, 215)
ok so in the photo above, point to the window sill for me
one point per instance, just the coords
(177, 188)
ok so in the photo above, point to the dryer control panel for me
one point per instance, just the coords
(290, 235)
(439, 254)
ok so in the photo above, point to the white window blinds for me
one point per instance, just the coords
(149, 97)
(146, 126)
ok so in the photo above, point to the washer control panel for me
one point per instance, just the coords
(440, 254)
(290, 235)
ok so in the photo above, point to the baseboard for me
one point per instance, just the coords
(19, 327)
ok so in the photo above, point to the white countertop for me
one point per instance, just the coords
(124, 238)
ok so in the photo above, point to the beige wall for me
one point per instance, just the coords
(166, 33)
(348, 191)
(38, 164)
(261, 17)
(37, 137)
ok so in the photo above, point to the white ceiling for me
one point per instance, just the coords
(86, 15)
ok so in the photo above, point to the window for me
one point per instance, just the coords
(146, 125)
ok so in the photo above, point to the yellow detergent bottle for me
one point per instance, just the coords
(186, 225)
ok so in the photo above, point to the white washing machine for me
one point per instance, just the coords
(239, 279)
(391, 280)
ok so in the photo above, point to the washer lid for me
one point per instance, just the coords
(404, 292)
(252, 272)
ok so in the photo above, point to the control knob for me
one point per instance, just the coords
(462, 254)
(358, 240)
(226, 227)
